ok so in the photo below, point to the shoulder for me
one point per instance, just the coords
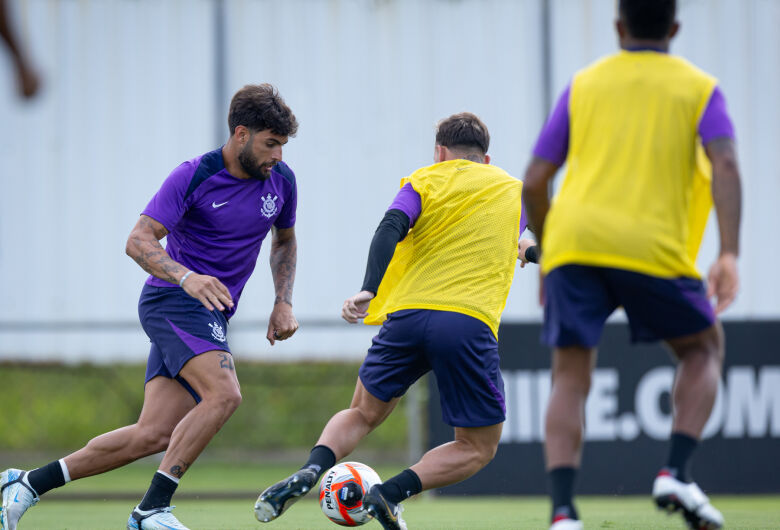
(597, 66)
(203, 168)
(284, 170)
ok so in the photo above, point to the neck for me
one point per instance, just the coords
(230, 157)
(630, 43)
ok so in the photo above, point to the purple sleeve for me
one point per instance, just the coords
(408, 201)
(715, 121)
(553, 142)
(523, 221)
(286, 217)
(167, 205)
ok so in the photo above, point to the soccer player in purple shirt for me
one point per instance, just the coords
(215, 210)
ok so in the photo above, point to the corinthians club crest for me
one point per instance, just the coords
(269, 207)
(217, 332)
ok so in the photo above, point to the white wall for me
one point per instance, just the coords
(131, 91)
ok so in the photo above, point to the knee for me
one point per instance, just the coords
(229, 400)
(705, 349)
(151, 439)
(487, 452)
(571, 381)
(372, 418)
(481, 453)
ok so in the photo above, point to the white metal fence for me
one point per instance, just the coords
(132, 88)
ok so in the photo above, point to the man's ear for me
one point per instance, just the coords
(440, 153)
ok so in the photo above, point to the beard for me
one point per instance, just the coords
(252, 167)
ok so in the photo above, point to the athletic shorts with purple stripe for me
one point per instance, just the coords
(179, 328)
(579, 298)
(461, 351)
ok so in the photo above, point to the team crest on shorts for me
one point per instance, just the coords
(269, 207)
(217, 332)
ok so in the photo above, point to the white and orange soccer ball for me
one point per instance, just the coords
(342, 490)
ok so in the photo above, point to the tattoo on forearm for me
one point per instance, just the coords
(226, 361)
(152, 258)
(283, 261)
(179, 470)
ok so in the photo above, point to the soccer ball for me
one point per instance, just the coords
(341, 493)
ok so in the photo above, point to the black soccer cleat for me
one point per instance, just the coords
(387, 513)
(277, 498)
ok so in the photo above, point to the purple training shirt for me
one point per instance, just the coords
(408, 201)
(216, 222)
(553, 142)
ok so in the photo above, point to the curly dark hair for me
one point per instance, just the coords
(463, 131)
(260, 107)
(648, 19)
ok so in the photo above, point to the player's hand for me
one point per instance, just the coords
(522, 246)
(356, 307)
(281, 324)
(210, 291)
(723, 281)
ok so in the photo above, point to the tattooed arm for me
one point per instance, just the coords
(143, 245)
(284, 254)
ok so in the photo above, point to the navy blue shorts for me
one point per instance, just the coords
(461, 351)
(180, 328)
(579, 298)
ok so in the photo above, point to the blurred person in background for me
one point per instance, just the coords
(216, 210)
(624, 230)
(27, 79)
(439, 270)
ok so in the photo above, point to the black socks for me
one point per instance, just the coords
(46, 478)
(678, 464)
(402, 486)
(159, 493)
(562, 491)
(320, 460)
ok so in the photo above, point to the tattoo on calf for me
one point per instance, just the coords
(178, 471)
(226, 361)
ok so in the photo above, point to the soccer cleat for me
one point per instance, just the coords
(387, 513)
(564, 523)
(672, 495)
(154, 519)
(17, 497)
(277, 498)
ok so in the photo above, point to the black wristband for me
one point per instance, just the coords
(532, 254)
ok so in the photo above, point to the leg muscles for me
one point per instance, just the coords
(472, 449)
(165, 404)
(346, 428)
(571, 371)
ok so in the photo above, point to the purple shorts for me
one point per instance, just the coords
(461, 351)
(579, 298)
(180, 328)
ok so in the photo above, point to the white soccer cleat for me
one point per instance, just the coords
(18, 495)
(566, 524)
(155, 519)
(672, 495)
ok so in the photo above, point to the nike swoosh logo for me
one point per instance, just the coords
(215, 205)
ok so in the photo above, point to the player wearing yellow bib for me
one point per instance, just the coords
(624, 230)
(438, 289)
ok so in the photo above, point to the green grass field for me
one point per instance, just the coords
(220, 496)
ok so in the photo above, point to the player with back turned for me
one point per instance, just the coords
(439, 302)
(624, 231)
(215, 210)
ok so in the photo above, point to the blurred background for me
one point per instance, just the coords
(131, 88)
